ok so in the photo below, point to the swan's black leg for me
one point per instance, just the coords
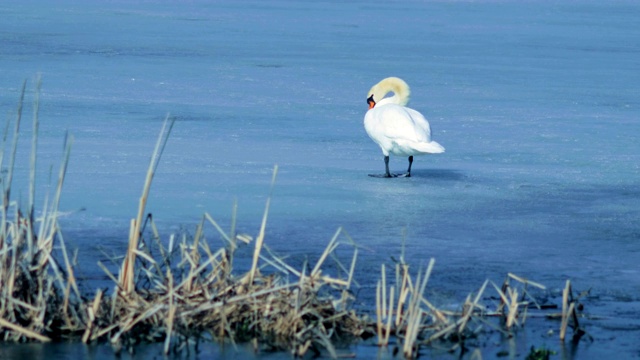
(386, 169)
(410, 162)
(387, 174)
(386, 166)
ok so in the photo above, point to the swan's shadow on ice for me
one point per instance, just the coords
(439, 174)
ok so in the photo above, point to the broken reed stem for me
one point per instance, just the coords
(263, 225)
(328, 250)
(50, 221)
(71, 280)
(403, 294)
(195, 256)
(172, 313)
(127, 273)
(7, 181)
(229, 239)
(526, 281)
(379, 312)
(92, 313)
(508, 299)
(470, 309)
(387, 332)
(32, 167)
(415, 313)
(34, 151)
(26, 332)
(384, 289)
(513, 308)
(566, 310)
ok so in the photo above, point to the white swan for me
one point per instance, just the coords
(397, 129)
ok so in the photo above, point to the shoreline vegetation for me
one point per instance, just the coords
(182, 291)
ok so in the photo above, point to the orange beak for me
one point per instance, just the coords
(371, 102)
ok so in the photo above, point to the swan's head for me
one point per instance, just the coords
(371, 102)
(394, 85)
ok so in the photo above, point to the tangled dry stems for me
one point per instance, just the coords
(187, 292)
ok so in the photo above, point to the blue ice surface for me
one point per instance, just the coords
(536, 102)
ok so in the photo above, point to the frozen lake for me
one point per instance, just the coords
(536, 102)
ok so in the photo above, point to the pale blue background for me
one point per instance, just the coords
(536, 102)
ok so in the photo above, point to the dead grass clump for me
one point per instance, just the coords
(190, 292)
(416, 322)
(571, 308)
(39, 298)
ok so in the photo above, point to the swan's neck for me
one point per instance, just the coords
(397, 86)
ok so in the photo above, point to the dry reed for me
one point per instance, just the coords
(39, 299)
(418, 322)
(187, 291)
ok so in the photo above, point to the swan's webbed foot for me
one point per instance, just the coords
(387, 176)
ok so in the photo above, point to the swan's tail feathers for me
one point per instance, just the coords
(430, 147)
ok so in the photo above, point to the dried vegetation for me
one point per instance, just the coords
(186, 292)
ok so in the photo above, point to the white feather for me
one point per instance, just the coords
(397, 129)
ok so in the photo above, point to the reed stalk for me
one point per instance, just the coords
(127, 273)
(12, 158)
(567, 309)
(263, 226)
(35, 291)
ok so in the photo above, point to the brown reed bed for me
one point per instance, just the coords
(183, 291)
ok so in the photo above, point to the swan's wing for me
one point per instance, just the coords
(399, 122)
(422, 123)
